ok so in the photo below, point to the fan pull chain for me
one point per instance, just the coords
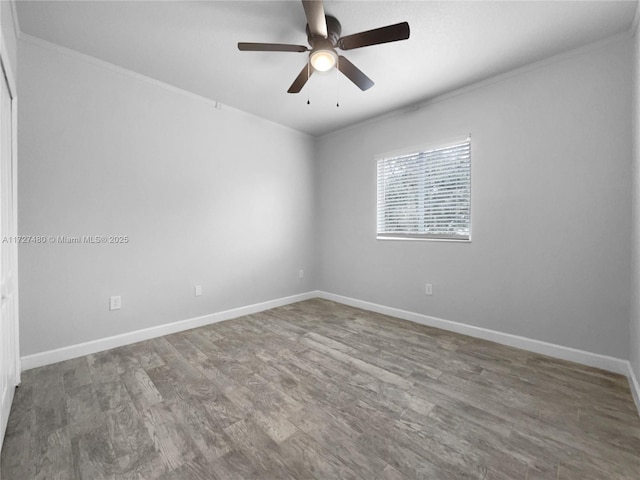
(308, 87)
(338, 82)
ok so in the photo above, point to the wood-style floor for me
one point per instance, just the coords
(318, 390)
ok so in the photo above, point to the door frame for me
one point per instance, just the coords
(7, 70)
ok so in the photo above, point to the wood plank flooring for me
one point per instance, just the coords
(318, 390)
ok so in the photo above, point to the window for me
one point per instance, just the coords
(426, 194)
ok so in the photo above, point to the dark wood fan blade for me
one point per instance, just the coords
(354, 74)
(270, 47)
(301, 79)
(390, 33)
(314, 10)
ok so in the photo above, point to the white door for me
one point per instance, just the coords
(9, 350)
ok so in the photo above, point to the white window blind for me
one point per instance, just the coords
(426, 194)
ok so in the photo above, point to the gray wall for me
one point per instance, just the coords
(207, 196)
(551, 193)
(238, 204)
(634, 337)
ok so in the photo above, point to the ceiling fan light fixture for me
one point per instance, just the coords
(323, 59)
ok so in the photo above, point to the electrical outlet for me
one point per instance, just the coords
(301, 274)
(428, 289)
(198, 290)
(115, 303)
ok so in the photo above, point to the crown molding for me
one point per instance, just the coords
(501, 77)
(117, 69)
(636, 19)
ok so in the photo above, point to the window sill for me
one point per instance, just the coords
(425, 239)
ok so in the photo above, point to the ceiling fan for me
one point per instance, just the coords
(323, 35)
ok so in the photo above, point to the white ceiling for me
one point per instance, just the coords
(192, 45)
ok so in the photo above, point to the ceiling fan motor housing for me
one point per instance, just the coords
(334, 30)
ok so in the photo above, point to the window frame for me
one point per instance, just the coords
(421, 149)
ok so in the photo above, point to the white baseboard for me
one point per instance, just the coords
(635, 386)
(604, 362)
(94, 346)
